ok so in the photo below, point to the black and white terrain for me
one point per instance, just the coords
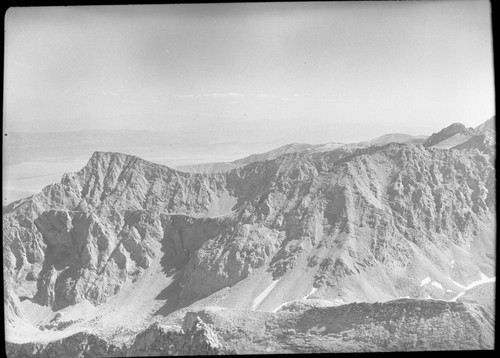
(384, 245)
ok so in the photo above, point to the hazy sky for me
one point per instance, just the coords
(283, 72)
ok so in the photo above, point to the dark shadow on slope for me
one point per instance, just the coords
(171, 294)
(183, 237)
(174, 258)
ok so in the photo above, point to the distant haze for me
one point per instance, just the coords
(196, 83)
(280, 72)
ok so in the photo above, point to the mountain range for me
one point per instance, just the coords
(374, 246)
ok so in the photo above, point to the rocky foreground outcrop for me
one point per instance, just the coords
(350, 224)
(401, 325)
(157, 340)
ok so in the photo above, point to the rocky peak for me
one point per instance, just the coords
(448, 132)
(113, 161)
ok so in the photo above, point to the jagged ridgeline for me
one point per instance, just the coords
(125, 242)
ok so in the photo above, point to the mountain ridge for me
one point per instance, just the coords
(298, 148)
(347, 225)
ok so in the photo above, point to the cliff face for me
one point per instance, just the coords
(350, 224)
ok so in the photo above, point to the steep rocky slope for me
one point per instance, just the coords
(124, 242)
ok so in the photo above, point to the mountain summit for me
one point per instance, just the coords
(452, 135)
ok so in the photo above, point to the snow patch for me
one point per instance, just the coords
(456, 283)
(482, 280)
(437, 284)
(425, 281)
(278, 308)
(258, 300)
(454, 299)
(313, 291)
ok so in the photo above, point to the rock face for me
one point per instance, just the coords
(350, 224)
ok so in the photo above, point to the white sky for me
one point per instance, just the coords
(284, 72)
